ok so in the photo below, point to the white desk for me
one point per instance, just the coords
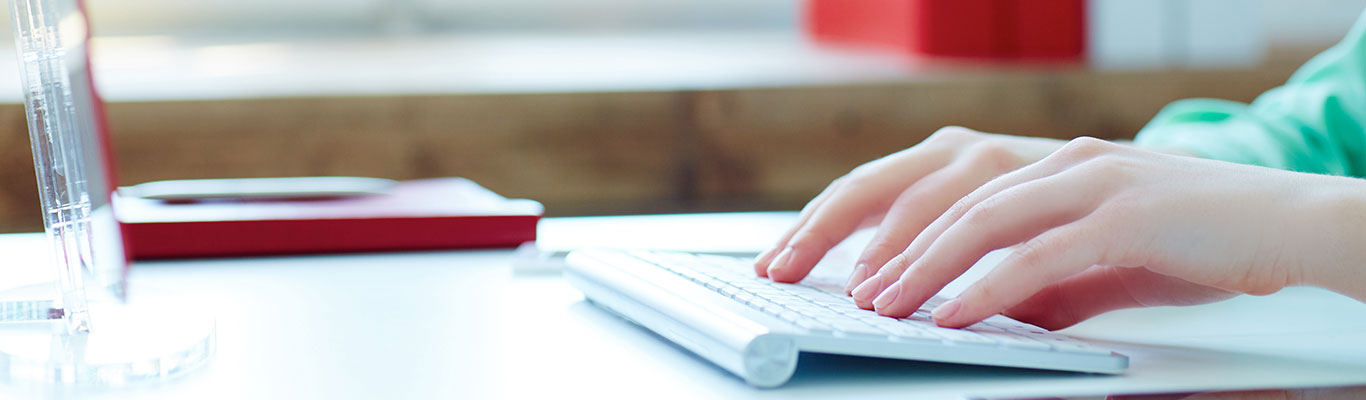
(462, 325)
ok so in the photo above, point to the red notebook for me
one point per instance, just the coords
(446, 213)
(982, 29)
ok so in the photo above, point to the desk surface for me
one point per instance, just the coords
(461, 324)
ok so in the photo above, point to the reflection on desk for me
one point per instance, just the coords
(1326, 393)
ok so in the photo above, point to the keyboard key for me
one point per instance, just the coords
(960, 336)
(1016, 341)
(712, 283)
(1067, 344)
(909, 333)
(813, 310)
(890, 325)
(760, 303)
(856, 328)
(981, 327)
(834, 301)
(1079, 347)
(814, 326)
(773, 308)
(792, 316)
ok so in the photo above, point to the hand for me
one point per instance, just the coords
(1098, 226)
(910, 188)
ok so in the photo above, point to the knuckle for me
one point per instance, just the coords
(840, 181)
(865, 170)
(1034, 252)
(984, 212)
(859, 172)
(898, 267)
(849, 182)
(992, 154)
(953, 134)
(813, 238)
(1106, 167)
(881, 248)
(985, 292)
(1085, 148)
(960, 207)
(854, 182)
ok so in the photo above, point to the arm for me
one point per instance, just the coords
(1314, 123)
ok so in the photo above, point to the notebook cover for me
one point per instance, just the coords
(975, 29)
(430, 214)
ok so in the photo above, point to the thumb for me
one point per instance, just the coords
(1101, 289)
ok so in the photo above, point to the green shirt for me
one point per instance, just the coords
(1314, 123)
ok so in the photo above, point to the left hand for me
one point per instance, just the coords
(1098, 226)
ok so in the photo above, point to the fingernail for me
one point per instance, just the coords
(765, 255)
(946, 310)
(762, 262)
(782, 260)
(856, 277)
(888, 296)
(867, 289)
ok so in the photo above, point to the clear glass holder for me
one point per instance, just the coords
(153, 335)
(85, 328)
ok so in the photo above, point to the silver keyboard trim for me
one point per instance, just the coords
(741, 340)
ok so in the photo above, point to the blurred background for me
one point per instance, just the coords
(591, 106)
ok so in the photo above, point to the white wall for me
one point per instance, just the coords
(1286, 21)
(1291, 22)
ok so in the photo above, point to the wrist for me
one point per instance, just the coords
(1339, 222)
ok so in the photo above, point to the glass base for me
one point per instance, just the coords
(153, 336)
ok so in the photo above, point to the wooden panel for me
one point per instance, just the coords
(19, 207)
(776, 148)
(576, 148)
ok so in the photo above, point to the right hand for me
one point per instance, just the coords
(903, 192)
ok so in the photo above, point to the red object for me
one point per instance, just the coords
(1056, 30)
(956, 28)
(449, 213)
(999, 29)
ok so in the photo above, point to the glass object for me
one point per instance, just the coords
(90, 332)
(65, 135)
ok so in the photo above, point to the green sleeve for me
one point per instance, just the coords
(1314, 123)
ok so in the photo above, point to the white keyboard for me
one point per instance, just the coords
(818, 316)
(822, 311)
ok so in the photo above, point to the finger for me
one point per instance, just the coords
(1010, 217)
(916, 207)
(1042, 261)
(765, 259)
(762, 262)
(862, 195)
(1076, 153)
(891, 272)
(1101, 289)
(1074, 299)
